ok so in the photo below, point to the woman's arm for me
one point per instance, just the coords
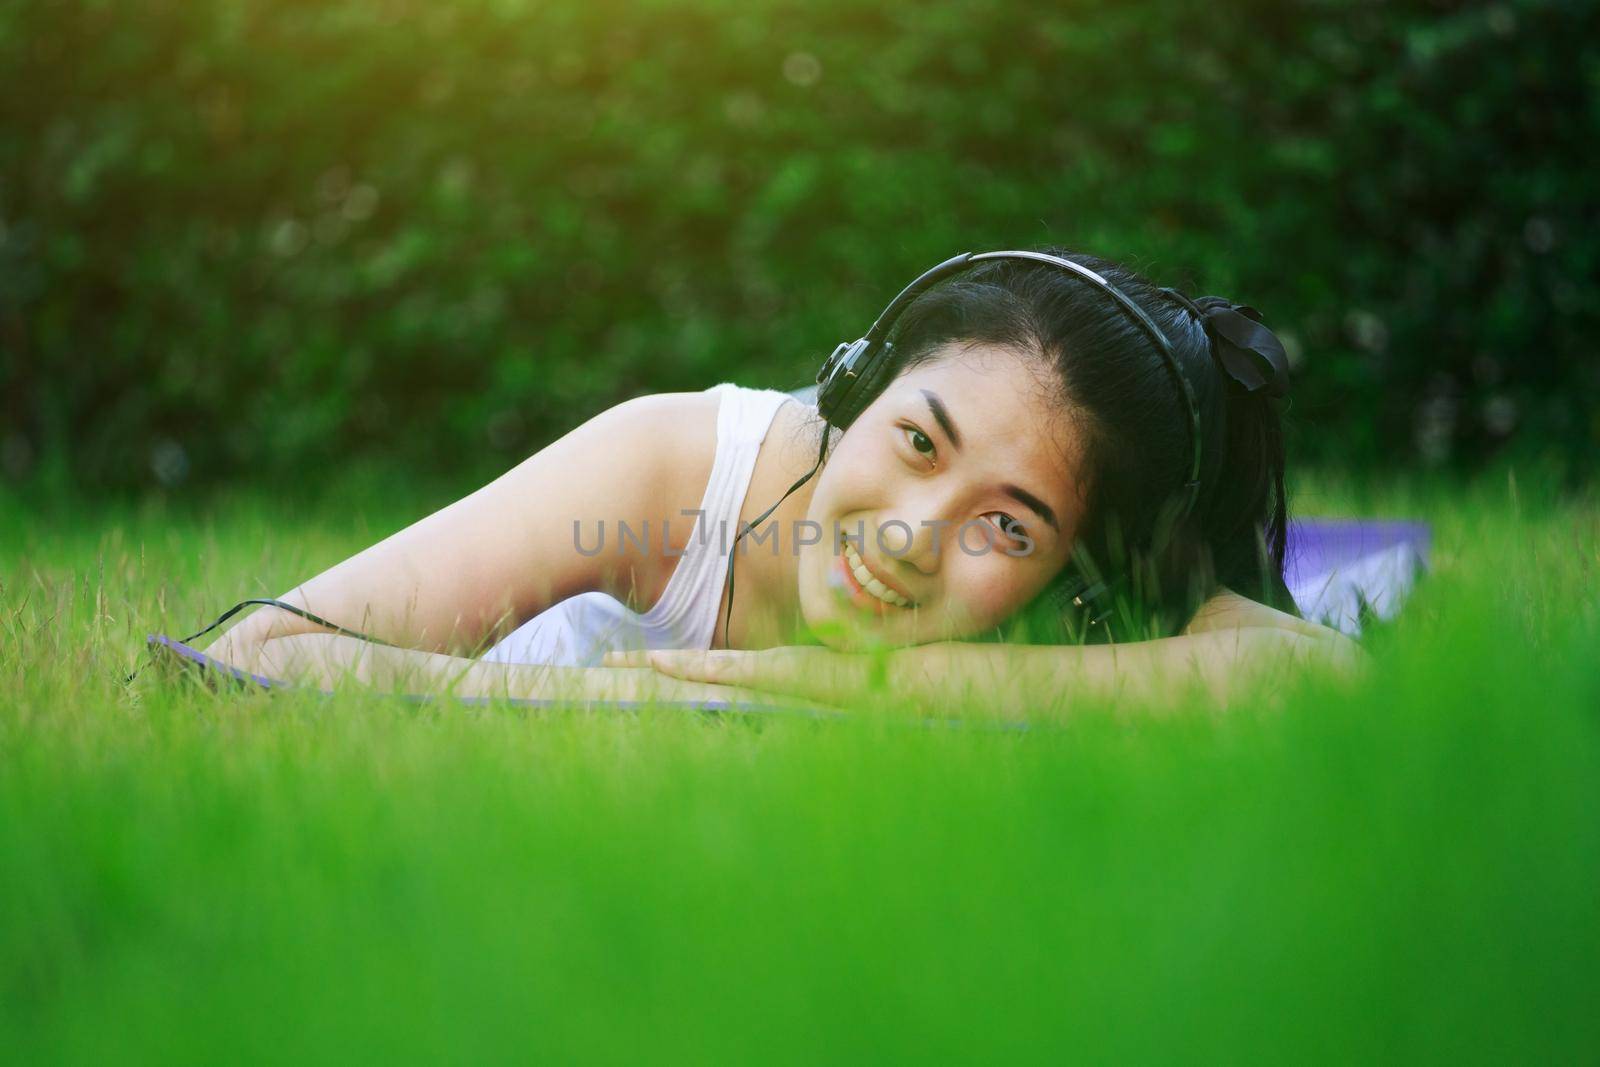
(1217, 664)
(507, 551)
(1018, 680)
(326, 660)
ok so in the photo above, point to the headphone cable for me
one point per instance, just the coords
(270, 602)
(822, 451)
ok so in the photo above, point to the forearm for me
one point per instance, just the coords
(244, 641)
(325, 660)
(1017, 680)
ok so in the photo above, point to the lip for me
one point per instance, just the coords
(842, 565)
(853, 590)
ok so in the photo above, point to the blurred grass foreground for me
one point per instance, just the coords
(1406, 871)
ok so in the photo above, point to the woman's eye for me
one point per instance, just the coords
(1007, 525)
(919, 440)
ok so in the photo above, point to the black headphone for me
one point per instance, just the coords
(857, 371)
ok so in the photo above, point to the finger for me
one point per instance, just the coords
(738, 697)
(633, 658)
(722, 666)
(823, 677)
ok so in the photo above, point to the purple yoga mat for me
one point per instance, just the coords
(1340, 570)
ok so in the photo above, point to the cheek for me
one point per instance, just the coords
(856, 473)
(989, 591)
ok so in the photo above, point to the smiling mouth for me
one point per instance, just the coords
(862, 579)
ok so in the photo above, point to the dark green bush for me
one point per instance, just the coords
(250, 238)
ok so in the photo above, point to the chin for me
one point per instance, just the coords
(833, 622)
(838, 625)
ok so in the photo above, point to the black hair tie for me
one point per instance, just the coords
(1249, 354)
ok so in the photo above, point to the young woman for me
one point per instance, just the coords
(1052, 452)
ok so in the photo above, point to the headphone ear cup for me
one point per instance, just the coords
(834, 386)
(1085, 601)
(855, 393)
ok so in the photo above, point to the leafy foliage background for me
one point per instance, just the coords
(248, 239)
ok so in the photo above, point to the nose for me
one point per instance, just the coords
(932, 512)
(926, 544)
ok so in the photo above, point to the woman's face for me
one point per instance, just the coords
(956, 495)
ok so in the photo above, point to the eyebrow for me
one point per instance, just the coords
(941, 415)
(1035, 503)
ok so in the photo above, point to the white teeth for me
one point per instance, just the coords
(869, 583)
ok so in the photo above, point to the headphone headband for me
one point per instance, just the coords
(856, 372)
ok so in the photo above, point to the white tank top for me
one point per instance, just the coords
(578, 631)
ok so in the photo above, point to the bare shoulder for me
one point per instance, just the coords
(658, 451)
(676, 423)
(1265, 628)
(1228, 610)
(666, 442)
(639, 463)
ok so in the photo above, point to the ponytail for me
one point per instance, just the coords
(1245, 519)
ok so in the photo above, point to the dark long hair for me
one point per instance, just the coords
(1150, 571)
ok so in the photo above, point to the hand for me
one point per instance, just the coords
(232, 651)
(818, 674)
(320, 660)
(585, 684)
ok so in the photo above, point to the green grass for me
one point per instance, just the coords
(1409, 869)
